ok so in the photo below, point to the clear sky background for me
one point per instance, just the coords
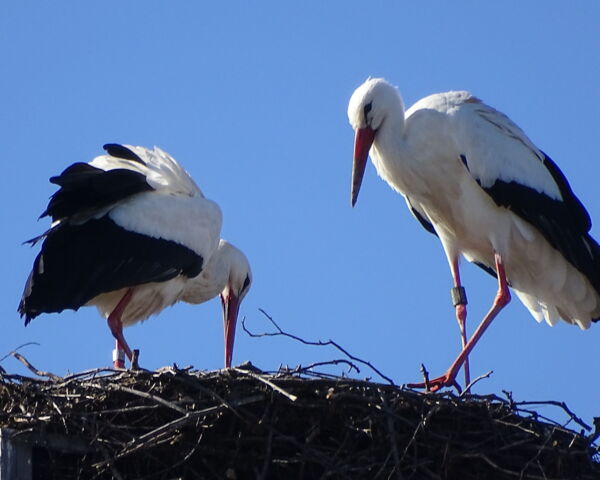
(250, 97)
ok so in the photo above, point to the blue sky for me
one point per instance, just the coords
(251, 98)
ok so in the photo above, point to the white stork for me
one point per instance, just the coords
(474, 179)
(133, 234)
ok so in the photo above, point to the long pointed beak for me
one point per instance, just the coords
(362, 144)
(231, 307)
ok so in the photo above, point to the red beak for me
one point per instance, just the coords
(231, 306)
(362, 144)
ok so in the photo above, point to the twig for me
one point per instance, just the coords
(476, 380)
(11, 353)
(422, 424)
(351, 366)
(562, 405)
(265, 469)
(596, 434)
(318, 343)
(210, 392)
(495, 466)
(37, 372)
(92, 373)
(190, 453)
(154, 435)
(537, 455)
(149, 396)
(392, 434)
(425, 374)
(293, 398)
(110, 461)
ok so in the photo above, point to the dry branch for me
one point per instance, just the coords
(318, 343)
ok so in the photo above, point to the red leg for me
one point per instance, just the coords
(459, 299)
(116, 327)
(501, 300)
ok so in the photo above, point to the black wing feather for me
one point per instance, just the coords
(121, 151)
(85, 188)
(79, 262)
(565, 223)
(574, 205)
(426, 224)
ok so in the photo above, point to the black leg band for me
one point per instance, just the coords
(459, 296)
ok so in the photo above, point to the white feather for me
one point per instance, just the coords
(162, 171)
(194, 222)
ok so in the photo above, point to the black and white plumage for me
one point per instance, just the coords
(474, 179)
(132, 234)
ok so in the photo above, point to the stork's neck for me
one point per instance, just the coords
(391, 152)
(391, 132)
(211, 281)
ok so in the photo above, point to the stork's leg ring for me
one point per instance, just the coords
(459, 296)
(118, 356)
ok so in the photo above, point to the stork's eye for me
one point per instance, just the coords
(366, 110)
(246, 283)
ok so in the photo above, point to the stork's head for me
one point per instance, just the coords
(370, 105)
(236, 287)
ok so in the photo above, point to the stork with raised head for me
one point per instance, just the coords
(473, 178)
(133, 234)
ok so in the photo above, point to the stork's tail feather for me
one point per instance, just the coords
(583, 306)
(593, 274)
(593, 271)
(24, 308)
(555, 285)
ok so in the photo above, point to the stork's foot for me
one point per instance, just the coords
(438, 383)
(119, 359)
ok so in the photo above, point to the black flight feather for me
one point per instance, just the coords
(120, 151)
(85, 188)
(79, 262)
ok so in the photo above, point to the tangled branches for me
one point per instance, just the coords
(244, 423)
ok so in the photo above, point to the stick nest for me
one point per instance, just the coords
(244, 423)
